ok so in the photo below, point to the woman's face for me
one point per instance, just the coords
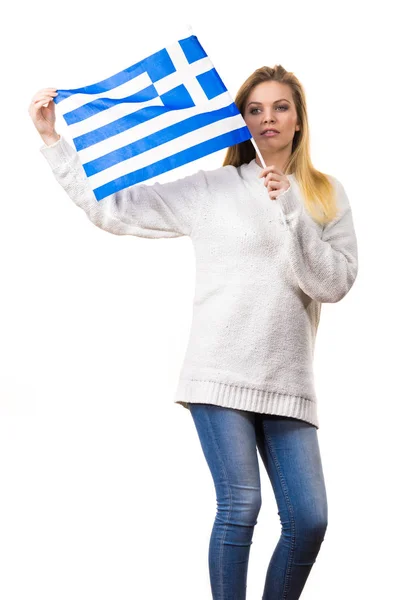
(270, 104)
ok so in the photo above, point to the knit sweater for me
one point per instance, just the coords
(263, 268)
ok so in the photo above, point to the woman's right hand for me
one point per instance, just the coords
(43, 114)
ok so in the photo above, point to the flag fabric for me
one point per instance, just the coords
(162, 112)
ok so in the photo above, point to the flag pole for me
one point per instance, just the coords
(265, 166)
(258, 152)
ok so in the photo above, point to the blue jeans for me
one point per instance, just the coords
(290, 452)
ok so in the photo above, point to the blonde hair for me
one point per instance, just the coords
(317, 189)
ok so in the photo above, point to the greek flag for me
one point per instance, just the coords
(164, 111)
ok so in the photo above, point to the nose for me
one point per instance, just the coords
(268, 119)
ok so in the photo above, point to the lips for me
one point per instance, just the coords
(269, 129)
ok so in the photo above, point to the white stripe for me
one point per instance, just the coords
(185, 74)
(168, 149)
(148, 127)
(120, 91)
(110, 115)
(121, 110)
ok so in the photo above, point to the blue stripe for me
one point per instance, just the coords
(172, 162)
(157, 65)
(115, 127)
(105, 85)
(192, 49)
(211, 83)
(158, 138)
(106, 131)
(99, 104)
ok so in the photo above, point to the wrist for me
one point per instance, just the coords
(51, 138)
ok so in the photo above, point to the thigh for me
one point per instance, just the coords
(290, 452)
(228, 440)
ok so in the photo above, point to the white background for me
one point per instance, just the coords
(104, 490)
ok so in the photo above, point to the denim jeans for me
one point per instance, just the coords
(290, 453)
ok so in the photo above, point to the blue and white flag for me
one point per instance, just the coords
(164, 111)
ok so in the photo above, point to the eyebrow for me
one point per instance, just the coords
(280, 99)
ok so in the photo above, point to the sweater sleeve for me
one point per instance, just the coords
(325, 265)
(161, 210)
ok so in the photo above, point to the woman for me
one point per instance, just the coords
(266, 260)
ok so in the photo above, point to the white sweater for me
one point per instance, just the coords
(263, 268)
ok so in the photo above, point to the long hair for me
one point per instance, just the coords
(317, 189)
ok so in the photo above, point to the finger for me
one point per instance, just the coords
(37, 101)
(48, 102)
(42, 94)
(37, 104)
(273, 194)
(44, 99)
(272, 179)
(48, 95)
(266, 171)
(272, 185)
(40, 103)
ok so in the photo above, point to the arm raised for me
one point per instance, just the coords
(153, 211)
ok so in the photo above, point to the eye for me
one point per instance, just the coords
(280, 106)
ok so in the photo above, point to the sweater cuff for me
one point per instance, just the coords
(289, 203)
(58, 153)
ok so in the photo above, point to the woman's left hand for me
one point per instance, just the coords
(276, 182)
